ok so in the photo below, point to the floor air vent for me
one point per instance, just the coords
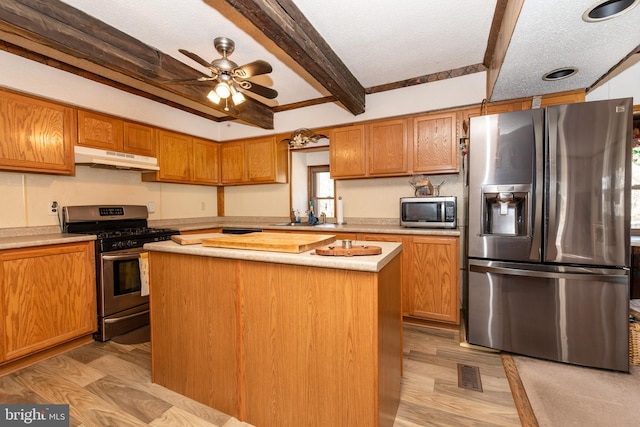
(469, 377)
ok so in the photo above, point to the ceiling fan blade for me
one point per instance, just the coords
(263, 91)
(195, 57)
(251, 69)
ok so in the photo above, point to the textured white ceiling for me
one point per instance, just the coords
(551, 34)
(383, 41)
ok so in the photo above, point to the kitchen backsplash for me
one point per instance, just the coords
(27, 196)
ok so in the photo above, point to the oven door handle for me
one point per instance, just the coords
(122, 256)
(118, 319)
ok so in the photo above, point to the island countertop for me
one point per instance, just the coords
(370, 263)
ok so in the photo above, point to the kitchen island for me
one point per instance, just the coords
(279, 339)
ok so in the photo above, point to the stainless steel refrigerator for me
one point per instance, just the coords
(549, 224)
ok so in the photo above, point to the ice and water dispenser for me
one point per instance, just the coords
(505, 210)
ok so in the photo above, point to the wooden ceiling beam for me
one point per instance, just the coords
(283, 23)
(502, 28)
(55, 29)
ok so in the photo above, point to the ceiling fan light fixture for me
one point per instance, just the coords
(608, 9)
(559, 74)
(213, 96)
(237, 97)
(222, 90)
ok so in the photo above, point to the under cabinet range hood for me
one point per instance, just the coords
(108, 159)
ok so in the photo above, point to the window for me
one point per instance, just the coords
(322, 190)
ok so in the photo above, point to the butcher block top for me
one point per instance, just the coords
(307, 257)
(276, 242)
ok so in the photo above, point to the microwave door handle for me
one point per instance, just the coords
(442, 211)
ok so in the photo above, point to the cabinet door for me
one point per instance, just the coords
(435, 147)
(347, 152)
(260, 159)
(387, 148)
(174, 156)
(407, 286)
(36, 135)
(47, 297)
(139, 139)
(99, 131)
(232, 162)
(206, 161)
(434, 276)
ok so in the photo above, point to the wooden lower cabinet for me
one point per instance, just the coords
(47, 297)
(430, 275)
(433, 279)
(278, 344)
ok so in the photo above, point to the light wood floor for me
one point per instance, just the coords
(109, 384)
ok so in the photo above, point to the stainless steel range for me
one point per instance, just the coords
(121, 232)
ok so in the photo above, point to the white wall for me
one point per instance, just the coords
(624, 83)
(363, 198)
(26, 195)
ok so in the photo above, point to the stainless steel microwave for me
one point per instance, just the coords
(428, 212)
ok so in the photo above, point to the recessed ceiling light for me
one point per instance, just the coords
(560, 73)
(608, 9)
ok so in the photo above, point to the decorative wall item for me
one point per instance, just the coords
(301, 137)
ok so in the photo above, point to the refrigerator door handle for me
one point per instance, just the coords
(616, 278)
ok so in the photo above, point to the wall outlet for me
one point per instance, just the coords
(52, 208)
(151, 207)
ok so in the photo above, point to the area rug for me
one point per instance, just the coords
(568, 395)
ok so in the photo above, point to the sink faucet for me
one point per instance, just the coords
(323, 218)
(312, 219)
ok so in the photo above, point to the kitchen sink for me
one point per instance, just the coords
(303, 224)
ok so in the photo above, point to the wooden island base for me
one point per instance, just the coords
(278, 344)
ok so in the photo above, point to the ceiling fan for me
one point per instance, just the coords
(227, 78)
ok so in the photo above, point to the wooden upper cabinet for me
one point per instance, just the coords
(99, 131)
(435, 146)
(206, 161)
(563, 98)
(261, 160)
(185, 159)
(347, 152)
(175, 153)
(387, 148)
(112, 133)
(264, 160)
(232, 162)
(36, 135)
(139, 139)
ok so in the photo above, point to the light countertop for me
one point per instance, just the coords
(16, 242)
(371, 263)
(374, 226)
